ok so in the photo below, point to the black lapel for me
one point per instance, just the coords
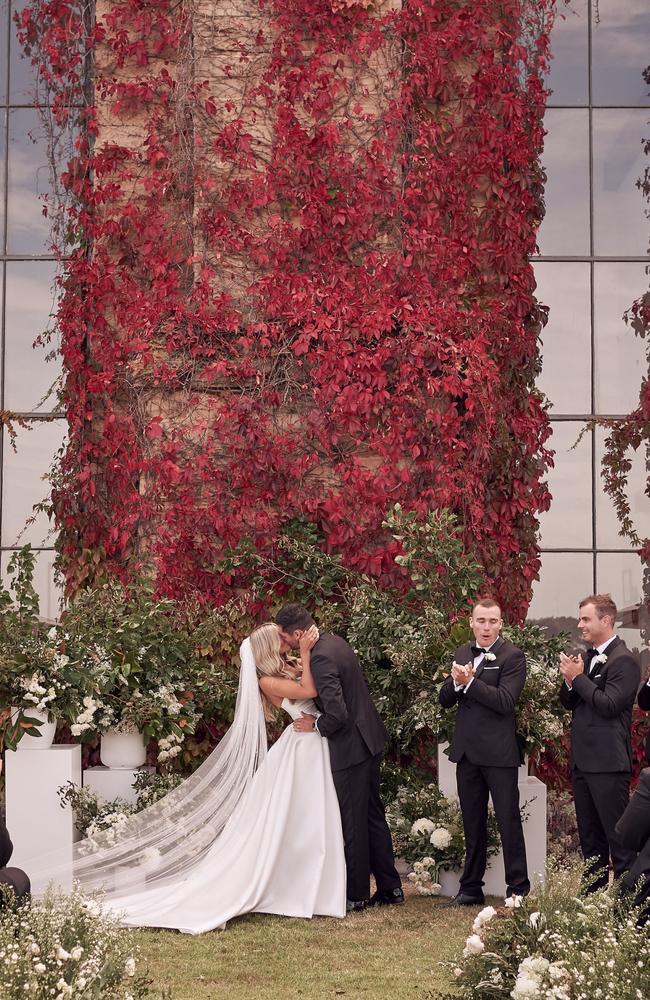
(495, 648)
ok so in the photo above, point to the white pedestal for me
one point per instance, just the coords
(37, 824)
(532, 799)
(110, 783)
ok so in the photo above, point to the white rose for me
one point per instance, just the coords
(62, 954)
(76, 953)
(129, 967)
(435, 888)
(39, 967)
(534, 920)
(473, 945)
(483, 918)
(525, 988)
(52, 633)
(440, 838)
(513, 902)
(422, 827)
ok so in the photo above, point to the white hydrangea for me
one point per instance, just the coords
(440, 838)
(422, 827)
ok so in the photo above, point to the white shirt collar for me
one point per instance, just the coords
(603, 646)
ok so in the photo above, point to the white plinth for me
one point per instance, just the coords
(110, 783)
(532, 799)
(37, 824)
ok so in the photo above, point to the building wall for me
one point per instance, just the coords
(591, 267)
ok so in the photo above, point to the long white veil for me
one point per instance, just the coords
(168, 838)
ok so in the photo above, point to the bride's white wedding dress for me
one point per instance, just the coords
(281, 851)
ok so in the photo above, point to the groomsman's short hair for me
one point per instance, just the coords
(292, 617)
(603, 604)
(486, 602)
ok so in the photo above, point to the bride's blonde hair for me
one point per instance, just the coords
(265, 645)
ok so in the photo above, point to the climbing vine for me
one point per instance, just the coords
(296, 238)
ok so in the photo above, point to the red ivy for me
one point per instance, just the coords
(309, 294)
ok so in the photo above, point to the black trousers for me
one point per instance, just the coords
(633, 830)
(475, 784)
(368, 844)
(600, 800)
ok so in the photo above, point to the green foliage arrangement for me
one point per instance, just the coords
(428, 834)
(92, 815)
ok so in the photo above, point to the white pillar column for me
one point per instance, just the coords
(37, 824)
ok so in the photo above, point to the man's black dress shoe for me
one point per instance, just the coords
(355, 905)
(462, 900)
(387, 897)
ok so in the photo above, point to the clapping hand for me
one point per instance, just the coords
(462, 673)
(571, 666)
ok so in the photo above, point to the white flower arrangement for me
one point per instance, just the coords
(601, 658)
(483, 918)
(440, 838)
(489, 657)
(422, 828)
(65, 946)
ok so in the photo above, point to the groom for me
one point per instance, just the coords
(356, 737)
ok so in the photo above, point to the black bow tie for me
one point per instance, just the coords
(477, 650)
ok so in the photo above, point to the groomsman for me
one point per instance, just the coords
(600, 691)
(487, 678)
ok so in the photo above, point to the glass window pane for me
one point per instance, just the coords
(620, 223)
(619, 359)
(28, 230)
(49, 594)
(569, 74)
(565, 228)
(621, 575)
(22, 75)
(620, 45)
(565, 578)
(23, 483)
(607, 525)
(29, 305)
(5, 30)
(569, 521)
(3, 154)
(564, 288)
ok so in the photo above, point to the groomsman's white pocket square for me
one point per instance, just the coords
(496, 668)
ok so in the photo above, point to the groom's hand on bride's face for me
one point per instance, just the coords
(305, 724)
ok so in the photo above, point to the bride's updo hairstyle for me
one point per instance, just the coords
(265, 644)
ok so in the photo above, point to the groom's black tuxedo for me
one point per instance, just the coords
(487, 756)
(350, 720)
(601, 700)
(356, 737)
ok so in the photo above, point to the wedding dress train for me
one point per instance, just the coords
(280, 852)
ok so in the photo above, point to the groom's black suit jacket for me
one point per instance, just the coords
(349, 718)
(485, 730)
(601, 706)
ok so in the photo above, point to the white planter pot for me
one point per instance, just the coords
(122, 750)
(47, 730)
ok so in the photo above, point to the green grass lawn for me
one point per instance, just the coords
(388, 954)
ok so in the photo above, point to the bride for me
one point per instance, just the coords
(248, 832)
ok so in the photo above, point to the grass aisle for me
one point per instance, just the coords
(389, 954)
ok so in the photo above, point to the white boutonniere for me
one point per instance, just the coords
(601, 658)
(489, 657)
